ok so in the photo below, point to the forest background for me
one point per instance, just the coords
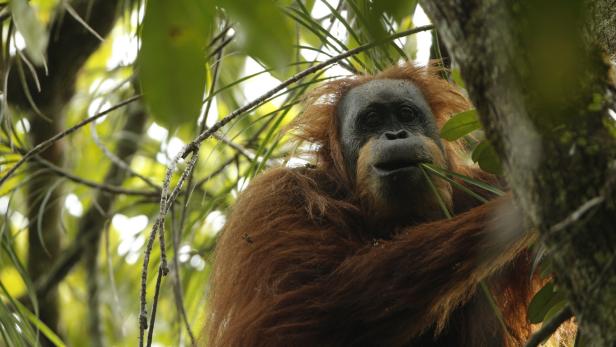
(128, 127)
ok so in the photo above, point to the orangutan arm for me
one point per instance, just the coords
(310, 285)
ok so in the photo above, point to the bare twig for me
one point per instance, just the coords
(100, 186)
(159, 279)
(177, 283)
(88, 183)
(220, 35)
(158, 229)
(45, 144)
(241, 150)
(109, 154)
(178, 292)
(222, 45)
(218, 171)
(117, 161)
(604, 193)
(548, 328)
(577, 214)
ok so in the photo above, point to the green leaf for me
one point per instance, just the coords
(538, 306)
(309, 4)
(456, 75)
(436, 193)
(368, 18)
(263, 30)
(548, 300)
(558, 304)
(442, 174)
(398, 9)
(460, 125)
(41, 326)
(31, 29)
(172, 58)
(485, 155)
(475, 182)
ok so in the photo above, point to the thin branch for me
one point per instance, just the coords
(119, 162)
(176, 281)
(159, 278)
(604, 193)
(88, 183)
(45, 144)
(218, 171)
(577, 214)
(548, 328)
(222, 45)
(220, 35)
(245, 152)
(100, 186)
(166, 200)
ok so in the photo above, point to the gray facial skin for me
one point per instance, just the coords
(394, 112)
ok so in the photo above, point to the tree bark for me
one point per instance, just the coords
(602, 24)
(543, 94)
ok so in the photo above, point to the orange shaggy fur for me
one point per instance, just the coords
(297, 265)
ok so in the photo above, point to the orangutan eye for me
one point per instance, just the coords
(372, 120)
(406, 114)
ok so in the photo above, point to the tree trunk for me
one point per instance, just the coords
(69, 47)
(543, 94)
(602, 24)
